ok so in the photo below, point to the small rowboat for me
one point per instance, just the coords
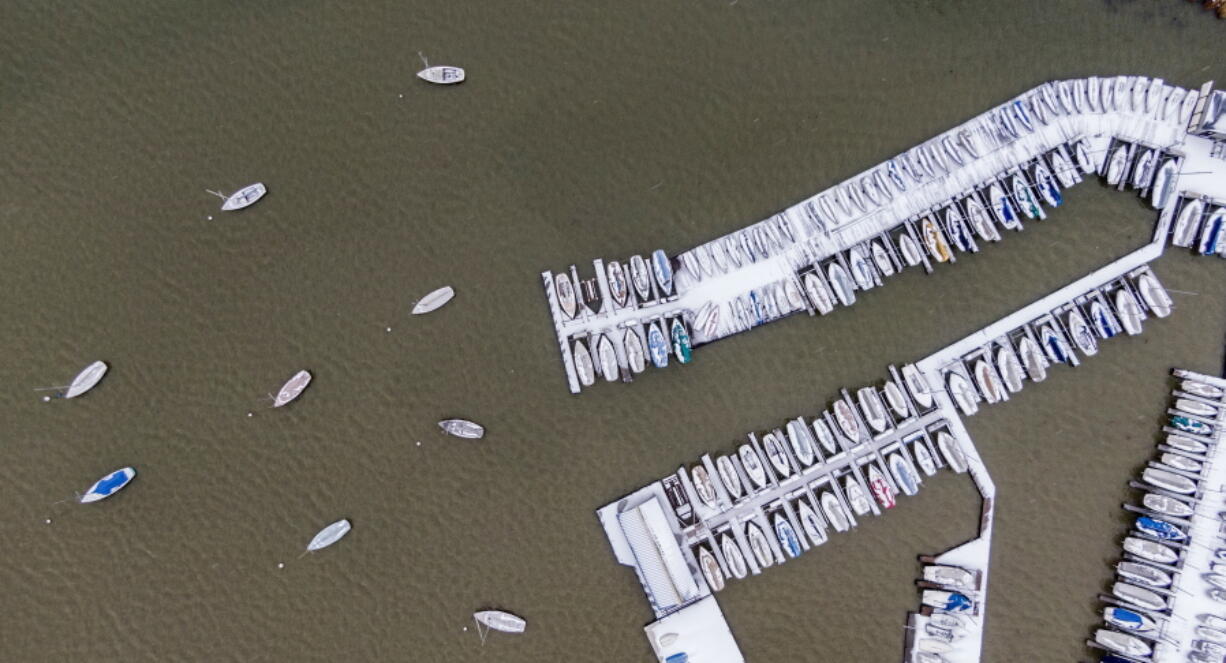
(86, 379)
(108, 485)
(244, 197)
(500, 621)
(462, 428)
(328, 535)
(434, 301)
(442, 75)
(292, 389)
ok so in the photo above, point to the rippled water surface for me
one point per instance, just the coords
(585, 130)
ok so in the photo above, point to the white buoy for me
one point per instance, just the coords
(48, 521)
(250, 414)
(389, 329)
(466, 629)
(281, 565)
(210, 217)
(46, 399)
(419, 443)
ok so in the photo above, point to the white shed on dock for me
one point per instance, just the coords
(661, 563)
(696, 633)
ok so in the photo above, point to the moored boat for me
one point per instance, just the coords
(1053, 344)
(856, 496)
(1122, 643)
(733, 557)
(1117, 164)
(948, 601)
(810, 523)
(923, 458)
(608, 359)
(934, 241)
(462, 428)
(729, 477)
(1186, 444)
(681, 342)
(703, 485)
(1150, 550)
(881, 259)
(910, 252)
(845, 417)
(753, 465)
(1168, 481)
(244, 197)
(917, 384)
(1082, 155)
(1139, 596)
(1099, 318)
(442, 75)
(657, 347)
(880, 488)
(1201, 389)
(565, 292)
(1080, 332)
(641, 277)
(636, 357)
(108, 485)
(841, 283)
(788, 539)
(1128, 620)
(1010, 369)
(292, 389)
(1160, 529)
(824, 436)
(618, 288)
(662, 267)
(1187, 222)
(1193, 426)
(950, 576)
(860, 271)
(952, 451)
(434, 300)
(500, 620)
(1211, 237)
(1129, 311)
(1033, 359)
(985, 378)
(1143, 574)
(962, 393)
(798, 438)
(896, 399)
(87, 379)
(759, 546)
(874, 411)
(329, 535)
(903, 474)
(818, 293)
(776, 455)
(1063, 169)
(1195, 407)
(835, 514)
(710, 569)
(1025, 199)
(585, 369)
(1141, 170)
(1166, 504)
(1164, 185)
(978, 215)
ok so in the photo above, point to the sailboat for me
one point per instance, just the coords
(498, 620)
(328, 536)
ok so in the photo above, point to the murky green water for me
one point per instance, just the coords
(585, 130)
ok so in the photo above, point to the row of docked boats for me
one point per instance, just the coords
(1198, 225)
(950, 598)
(619, 354)
(636, 283)
(1155, 568)
(994, 371)
(1148, 170)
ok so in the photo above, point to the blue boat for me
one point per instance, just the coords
(657, 347)
(759, 313)
(681, 342)
(787, 536)
(1191, 426)
(1128, 620)
(1019, 111)
(954, 602)
(892, 169)
(1160, 529)
(1054, 192)
(1212, 235)
(680, 657)
(1054, 346)
(108, 485)
(663, 268)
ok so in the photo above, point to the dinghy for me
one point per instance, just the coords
(462, 428)
(1201, 389)
(618, 287)
(845, 417)
(681, 342)
(1160, 529)
(1141, 171)
(329, 535)
(728, 475)
(108, 485)
(1186, 444)
(1129, 311)
(608, 359)
(856, 496)
(986, 380)
(880, 488)
(1084, 162)
(1139, 596)
(1195, 407)
(442, 75)
(897, 400)
(1053, 344)
(874, 411)
(917, 384)
(585, 369)
(776, 455)
(710, 569)
(903, 474)
(703, 486)
(662, 267)
(1099, 318)
(788, 540)
(818, 294)
(810, 523)
(952, 451)
(89, 377)
(292, 389)
(963, 394)
(566, 295)
(499, 620)
(923, 458)
(1010, 369)
(733, 557)
(434, 301)
(641, 277)
(753, 465)
(759, 546)
(1164, 185)
(910, 252)
(244, 197)
(1122, 643)
(1117, 165)
(1033, 359)
(1150, 550)
(835, 514)
(950, 576)
(1128, 620)
(1143, 574)
(798, 438)
(948, 601)
(937, 247)
(636, 357)
(1166, 504)
(881, 259)
(1187, 222)
(657, 347)
(1168, 481)
(841, 284)
(1080, 332)
(824, 436)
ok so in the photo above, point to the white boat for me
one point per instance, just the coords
(874, 411)
(442, 75)
(1165, 504)
(753, 465)
(978, 215)
(1155, 295)
(824, 436)
(718, 256)
(1201, 389)
(776, 455)
(963, 394)
(636, 356)
(938, 248)
(1141, 171)
(608, 359)
(880, 488)
(1033, 359)
(1186, 444)
(244, 197)
(585, 370)
(706, 321)
(818, 293)
(923, 458)
(729, 477)
(434, 301)
(1164, 185)
(640, 276)
(1084, 162)
(462, 428)
(813, 526)
(909, 250)
(86, 379)
(904, 476)
(789, 540)
(1081, 334)
(798, 437)
(690, 263)
(1025, 200)
(710, 569)
(705, 261)
(896, 399)
(1180, 462)
(108, 485)
(841, 283)
(917, 384)
(759, 545)
(1062, 169)
(952, 451)
(781, 300)
(1143, 574)
(881, 259)
(796, 301)
(733, 557)
(703, 485)
(1168, 481)
(1211, 234)
(1214, 635)
(835, 514)
(986, 379)
(1150, 550)
(1129, 312)
(1122, 643)
(1187, 222)
(732, 249)
(845, 417)
(618, 287)
(1117, 165)
(565, 291)
(947, 620)
(1139, 596)
(950, 576)
(1130, 620)
(292, 389)
(662, 267)
(329, 535)
(1195, 407)
(499, 620)
(1010, 369)
(856, 497)
(944, 600)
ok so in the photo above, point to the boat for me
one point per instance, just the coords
(608, 358)
(962, 392)
(1150, 550)
(733, 557)
(937, 247)
(703, 486)
(909, 250)
(788, 540)
(87, 379)
(108, 485)
(636, 357)
(1129, 311)
(923, 458)
(585, 370)
(1211, 237)
(618, 287)
(824, 436)
(1082, 155)
(499, 620)
(1025, 201)
(1053, 344)
(881, 259)
(845, 417)
(1218, 220)
(462, 428)
(1034, 360)
(728, 475)
(662, 267)
(1168, 481)
(566, 295)
(1215, 635)
(1195, 407)
(947, 620)
(1062, 168)
(860, 270)
(678, 499)
(759, 546)
(1143, 574)
(1164, 185)
(813, 526)
(880, 488)
(1139, 596)
(1141, 171)
(1191, 426)
(818, 293)
(903, 474)
(244, 197)
(980, 221)
(719, 256)
(798, 437)
(955, 229)
(917, 384)
(1100, 319)
(1186, 444)
(641, 277)
(753, 465)
(874, 411)
(442, 75)
(796, 301)
(329, 535)
(1080, 332)
(1213, 621)
(710, 569)
(1122, 643)
(1010, 369)
(950, 576)
(1218, 595)
(1117, 165)
(732, 249)
(705, 261)
(657, 347)
(1128, 620)
(952, 451)
(776, 455)
(756, 307)
(681, 342)
(835, 514)
(948, 601)
(897, 400)
(434, 301)
(855, 496)
(1187, 223)
(1201, 389)
(292, 388)
(841, 283)
(1166, 504)
(986, 379)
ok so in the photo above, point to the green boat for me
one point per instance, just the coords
(681, 342)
